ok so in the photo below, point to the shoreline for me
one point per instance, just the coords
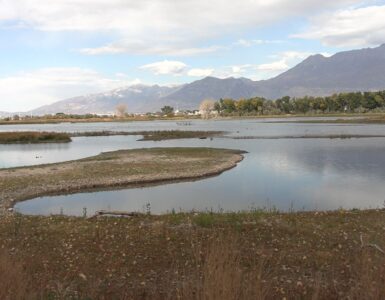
(123, 168)
(177, 119)
(310, 136)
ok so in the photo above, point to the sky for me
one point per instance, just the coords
(57, 49)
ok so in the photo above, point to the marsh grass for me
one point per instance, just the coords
(177, 134)
(32, 137)
(159, 135)
(14, 282)
(219, 273)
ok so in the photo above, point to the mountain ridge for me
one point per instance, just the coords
(317, 75)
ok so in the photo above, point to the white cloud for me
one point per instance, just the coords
(293, 55)
(280, 65)
(200, 72)
(354, 27)
(282, 62)
(28, 90)
(182, 24)
(133, 16)
(249, 43)
(166, 67)
(141, 47)
(240, 69)
(236, 71)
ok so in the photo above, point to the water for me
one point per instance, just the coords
(22, 155)
(310, 174)
(80, 147)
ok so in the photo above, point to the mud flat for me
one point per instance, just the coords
(124, 168)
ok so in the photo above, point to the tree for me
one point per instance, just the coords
(206, 107)
(228, 105)
(167, 110)
(121, 110)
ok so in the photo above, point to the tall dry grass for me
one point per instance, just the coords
(369, 278)
(216, 267)
(14, 283)
(219, 273)
(33, 137)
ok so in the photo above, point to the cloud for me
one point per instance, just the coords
(282, 62)
(280, 65)
(293, 55)
(28, 90)
(233, 71)
(249, 43)
(182, 24)
(354, 27)
(166, 67)
(141, 47)
(200, 72)
(165, 15)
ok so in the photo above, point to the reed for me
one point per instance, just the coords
(32, 137)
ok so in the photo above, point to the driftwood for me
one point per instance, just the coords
(101, 213)
(375, 246)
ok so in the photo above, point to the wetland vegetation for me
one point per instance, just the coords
(245, 255)
(158, 135)
(33, 137)
(253, 254)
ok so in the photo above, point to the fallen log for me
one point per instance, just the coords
(101, 213)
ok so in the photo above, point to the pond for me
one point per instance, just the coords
(286, 174)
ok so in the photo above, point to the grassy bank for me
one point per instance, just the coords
(308, 136)
(374, 119)
(79, 119)
(255, 255)
(31, 137)
(114, 169)
(94, 119)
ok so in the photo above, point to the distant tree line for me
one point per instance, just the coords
(57, 116)
(343, 102)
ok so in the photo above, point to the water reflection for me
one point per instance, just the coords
(304, 174)
(35, 154)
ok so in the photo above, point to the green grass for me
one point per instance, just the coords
(31, 137)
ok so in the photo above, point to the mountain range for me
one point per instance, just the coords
(356, 70)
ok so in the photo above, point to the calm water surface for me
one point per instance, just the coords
(283, 173)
